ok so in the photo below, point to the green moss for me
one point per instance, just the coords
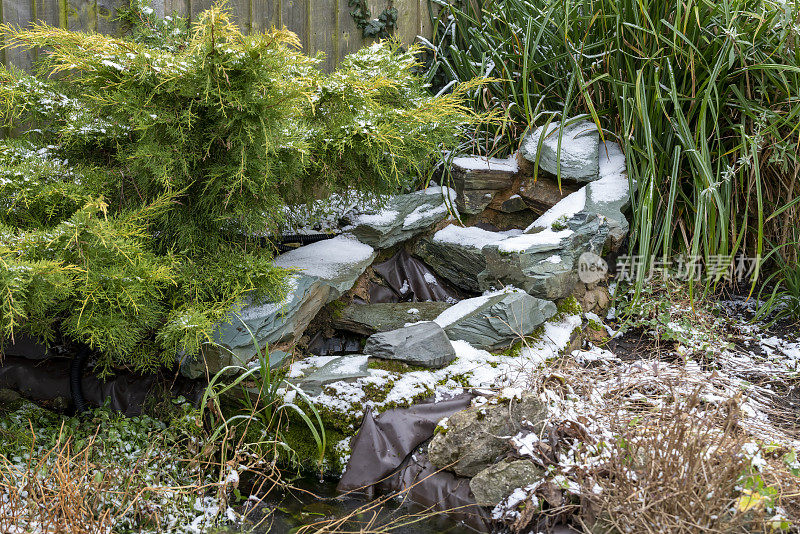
(567, 306)
(336, 308)
(594, 325)
(304, 452)
(394, 366)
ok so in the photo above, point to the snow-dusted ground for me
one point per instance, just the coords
(709, 363)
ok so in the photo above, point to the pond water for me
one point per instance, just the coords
(317, 502)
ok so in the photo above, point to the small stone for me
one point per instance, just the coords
(513, 205)
(498, 481)
(423, 344)
(7, 396)
(478, 436)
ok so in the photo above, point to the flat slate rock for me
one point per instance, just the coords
(424, 344)
(455, 253)
(367, 319)
(403, 217)
(477, 179)
(579, 150)
(340, 368)
(495, 320)
(325, 270)
(544, 264)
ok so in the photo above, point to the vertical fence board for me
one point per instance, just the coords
(19, 14)
(321, 25)
(178, 8)
(263, 15)
(408, 18)
(323, 32)
(350, 38)
(107, 12)
(81, 15)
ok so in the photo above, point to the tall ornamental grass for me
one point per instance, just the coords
(703, 95)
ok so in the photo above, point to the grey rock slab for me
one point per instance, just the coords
(423, 344)
(496, 320)
(611, 194)
(477, 179)
(579, 150)
(341, 368)
(544, 264)
(455, 253)
(367, 319)
(477, 437)
(498, 481)
(323, 271)
(403, 217)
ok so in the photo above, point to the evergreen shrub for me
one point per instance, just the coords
(150, 168)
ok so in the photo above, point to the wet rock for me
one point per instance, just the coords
(478, 179)
(494, 321)
(340, 368)
(367, 319)
(423, 344)
(403, 217)
(325, 270)
(579, 150)
(476, 437)
(497, 481)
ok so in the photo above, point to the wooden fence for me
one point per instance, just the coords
(321, 25)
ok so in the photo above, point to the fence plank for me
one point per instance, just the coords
(18, 13)
(81, 15)
(321, 25)
(107, 12)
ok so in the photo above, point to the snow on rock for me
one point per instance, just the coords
(578, 156)
(480, 163)
(547, 239)
(610, 195)
(564, 210)
(327, 259)
(403, 217)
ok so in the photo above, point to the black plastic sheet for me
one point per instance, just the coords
(47, 380)
(385, 459)
(410, 280)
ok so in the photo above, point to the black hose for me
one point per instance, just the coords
(76, 367)
(302, 239)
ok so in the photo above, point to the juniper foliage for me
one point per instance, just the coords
(133, 209)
